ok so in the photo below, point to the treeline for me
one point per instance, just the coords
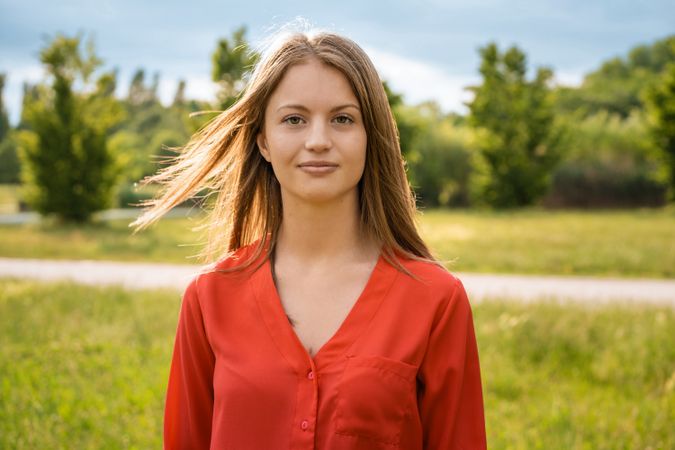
(607, 143)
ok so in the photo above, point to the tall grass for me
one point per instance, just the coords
(577, 377)
(81, 367)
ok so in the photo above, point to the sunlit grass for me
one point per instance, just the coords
(608, 243)
(577, 377)
(84, 367)
(171, 241)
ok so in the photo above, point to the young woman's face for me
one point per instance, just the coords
(313, 134)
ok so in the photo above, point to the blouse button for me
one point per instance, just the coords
(310, 375)
(304, 425)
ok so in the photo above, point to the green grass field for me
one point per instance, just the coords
(608, 243)
(86, 368)
(170, 241)
(635, 243)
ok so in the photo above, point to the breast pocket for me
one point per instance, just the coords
(374, 397)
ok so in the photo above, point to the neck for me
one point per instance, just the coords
(324, 233)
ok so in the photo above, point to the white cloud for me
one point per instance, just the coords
(419, 81)
(200, 87)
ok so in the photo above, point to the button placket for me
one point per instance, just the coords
(304, 425)
(305, 422)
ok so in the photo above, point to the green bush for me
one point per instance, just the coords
(439, 156)
(599, 184)
(661, 101)
(10, 168)
(610, 162)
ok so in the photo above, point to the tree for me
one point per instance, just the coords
(231, 61)
(439, 158)
(9, 160)
(519, 144)
(179, 97)
(661, 105)
(4, 119)
(30, 94)
(618, 85)
(67, 168)
(139, 94)
(407, 131)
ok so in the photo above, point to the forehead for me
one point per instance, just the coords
(312, 83)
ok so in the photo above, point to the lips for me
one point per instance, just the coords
(318, 168)
(317, 164)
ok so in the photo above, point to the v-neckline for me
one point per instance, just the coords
(351, 327)
(345, 323)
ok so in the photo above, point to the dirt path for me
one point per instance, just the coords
(479, 286)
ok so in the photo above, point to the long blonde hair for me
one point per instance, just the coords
(223, 157)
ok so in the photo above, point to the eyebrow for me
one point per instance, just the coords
(304, 108)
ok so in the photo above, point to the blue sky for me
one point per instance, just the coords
(426, 49)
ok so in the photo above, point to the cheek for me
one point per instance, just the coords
(280, 147)
(361, 147)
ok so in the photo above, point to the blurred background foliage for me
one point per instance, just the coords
(525, 141)
(556, 376)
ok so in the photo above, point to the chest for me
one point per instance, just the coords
(317, 304)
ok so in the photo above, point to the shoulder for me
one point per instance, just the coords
(238, 257)
(433, 283)
(432, 275)
(226, 269)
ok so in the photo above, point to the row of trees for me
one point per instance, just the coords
(524, 140)
(605, 143)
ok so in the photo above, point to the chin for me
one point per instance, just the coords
(325, 197)
(321, 199)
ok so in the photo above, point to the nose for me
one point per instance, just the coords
(318, 138)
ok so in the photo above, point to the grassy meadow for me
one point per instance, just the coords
(169, 241)
(86, 367)
(607, 243)
(632, 243)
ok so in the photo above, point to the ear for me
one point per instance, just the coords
(262, 146)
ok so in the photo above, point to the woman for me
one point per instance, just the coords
(328, 324)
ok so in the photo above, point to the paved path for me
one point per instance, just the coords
(109, 214)
(478, 286)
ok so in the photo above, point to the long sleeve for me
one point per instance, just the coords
(451, 399)
(189, 398)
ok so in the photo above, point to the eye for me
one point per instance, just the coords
(293, 120)
(344, 119)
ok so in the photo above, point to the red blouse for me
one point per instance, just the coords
(401, 372)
